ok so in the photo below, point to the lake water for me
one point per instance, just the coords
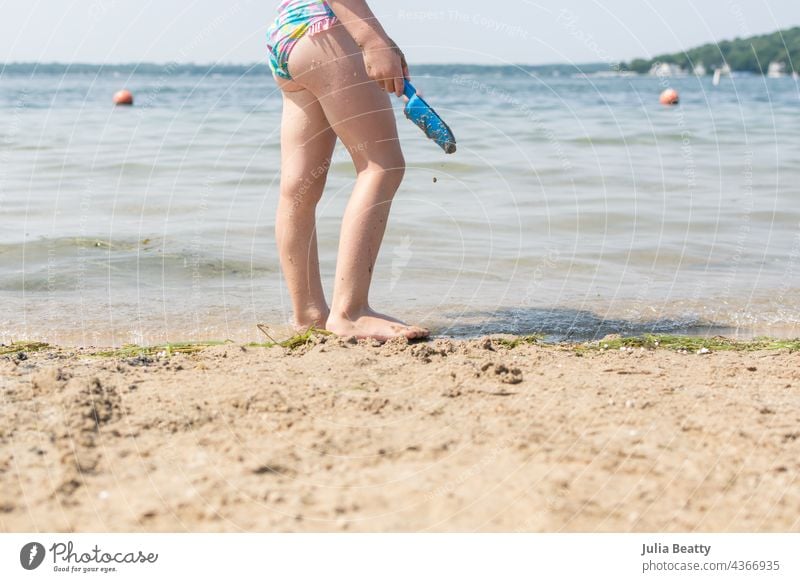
(576, 206)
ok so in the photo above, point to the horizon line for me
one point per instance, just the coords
(264, 63)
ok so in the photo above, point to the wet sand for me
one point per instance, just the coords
(439, 436)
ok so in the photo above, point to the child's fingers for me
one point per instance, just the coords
(404, 64)
(399, 86)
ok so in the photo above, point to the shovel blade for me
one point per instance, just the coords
(423, 115)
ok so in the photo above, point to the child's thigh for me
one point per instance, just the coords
(307, 143)
(331, 67)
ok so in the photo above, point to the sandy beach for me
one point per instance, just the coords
(338, 435)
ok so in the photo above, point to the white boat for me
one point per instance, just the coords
(666, 70)
(776, 70)
(725, 69)
(700, 69)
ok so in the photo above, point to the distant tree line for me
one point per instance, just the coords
(752, 54)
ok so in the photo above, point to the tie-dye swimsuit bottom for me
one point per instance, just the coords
(296, 18)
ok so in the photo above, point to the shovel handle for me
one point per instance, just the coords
(409, 90)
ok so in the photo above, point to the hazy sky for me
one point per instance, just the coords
(500, 31)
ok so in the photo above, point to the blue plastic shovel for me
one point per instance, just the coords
(423, 115)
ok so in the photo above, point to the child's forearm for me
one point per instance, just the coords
(358, 19)
(383, 61)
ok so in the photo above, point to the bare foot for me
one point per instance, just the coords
(309, 319)
(369, 324)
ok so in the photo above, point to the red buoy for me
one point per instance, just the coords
(123, 97)
(669, 97)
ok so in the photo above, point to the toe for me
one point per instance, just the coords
(415, 332)
(408, 333)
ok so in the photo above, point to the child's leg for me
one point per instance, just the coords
(307, 143)
(330, 66)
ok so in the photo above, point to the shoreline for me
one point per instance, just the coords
(493, 434)
(684, 343)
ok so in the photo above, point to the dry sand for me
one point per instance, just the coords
(440, 436)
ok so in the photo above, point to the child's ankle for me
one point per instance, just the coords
(311, 318)
(349, 314)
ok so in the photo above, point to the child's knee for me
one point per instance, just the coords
(394, 174)
(299, 197)
(400, 167)
(389, 169)
(385, 179)
(305, 188)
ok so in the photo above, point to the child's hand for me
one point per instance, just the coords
(386, 64)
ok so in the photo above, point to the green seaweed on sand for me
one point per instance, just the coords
(302, 339)
(16, 347)
(695, 344)
(517, 341)
(296, 341)
(171, 349)
(133, 351)
(678, 343)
